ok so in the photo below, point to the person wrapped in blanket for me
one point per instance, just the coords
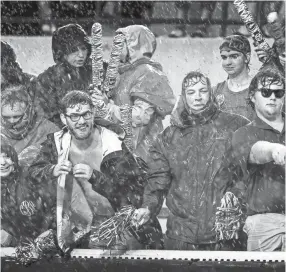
(22, 209)
(23, 125)
(86, 157)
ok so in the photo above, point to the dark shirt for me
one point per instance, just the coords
(263, 188)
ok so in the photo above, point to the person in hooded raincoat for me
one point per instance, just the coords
(183, 162)
(72, 71)
(143, 85)
(22, 209)
(22, 124)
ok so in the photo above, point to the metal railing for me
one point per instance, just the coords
(117, 20)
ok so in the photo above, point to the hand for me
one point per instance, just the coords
(97, 96)
(83, 171)
(114, 112)
(261, 54)
(63, 167)
(279, 154)
(141, 216)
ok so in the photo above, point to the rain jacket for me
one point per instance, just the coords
(183, 163)
(32, 128)
(143, 78)
(22, 208)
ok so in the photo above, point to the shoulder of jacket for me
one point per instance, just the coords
(167, 134)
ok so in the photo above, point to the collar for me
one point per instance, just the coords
(259, 123)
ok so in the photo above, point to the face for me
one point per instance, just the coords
(82, 128)
(124, 53)
(233, 62)
(141, 113)
(78, 57)
(6, 165)
(268, 107)
(197, 96)
(15, 113)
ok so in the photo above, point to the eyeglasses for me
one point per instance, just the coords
(75, 117)
(268, 92)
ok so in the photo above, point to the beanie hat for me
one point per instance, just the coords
(66, 40)
(237, 43)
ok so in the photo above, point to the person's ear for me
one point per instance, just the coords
(247, 58)
(63, 119)
(252, 98)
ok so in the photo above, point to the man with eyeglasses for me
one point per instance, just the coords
(72, 71)
(232, 93)
(21, 123)
(74, 154)
(255, 165)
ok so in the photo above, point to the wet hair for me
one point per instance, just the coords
(13, 94)
(266, 78)
(73, 98)
(237, 42)
(12, 154)
(195, 77)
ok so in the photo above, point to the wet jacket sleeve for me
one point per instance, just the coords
(159, 178)
(235, 168)
(44, 91)
(42, 167)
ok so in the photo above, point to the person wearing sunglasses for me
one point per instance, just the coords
(22, 123)
(231, 94)
(72, 70)
(255, 164)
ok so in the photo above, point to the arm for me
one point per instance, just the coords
(42, 168)
(263, 152)
(159, 178)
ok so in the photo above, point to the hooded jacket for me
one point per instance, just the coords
(32, 129)
(22, 209)
(143, 78)
(54, 83)
(183, 162)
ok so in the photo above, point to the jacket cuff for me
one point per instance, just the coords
(95, 177)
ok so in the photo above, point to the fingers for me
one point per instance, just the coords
(279, 157)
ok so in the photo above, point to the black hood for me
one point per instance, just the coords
(66, 38)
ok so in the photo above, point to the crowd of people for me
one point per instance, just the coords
(67, 169)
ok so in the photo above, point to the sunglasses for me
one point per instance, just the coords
(279, 93)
